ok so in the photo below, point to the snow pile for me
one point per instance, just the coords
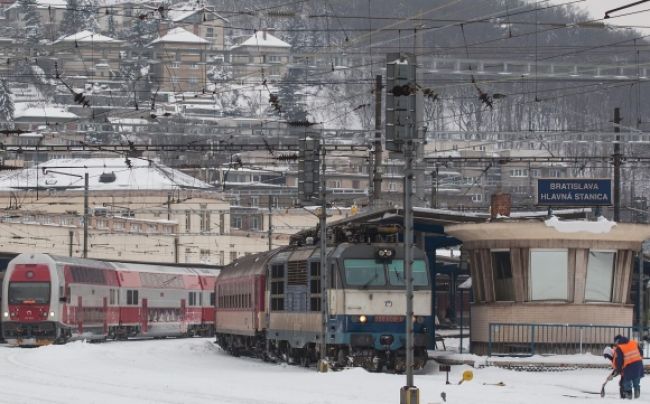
(601, 226)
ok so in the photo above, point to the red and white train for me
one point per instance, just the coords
(54, 299)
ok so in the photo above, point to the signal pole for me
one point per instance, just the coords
(324, 278)
(401, 137)
(376, 178)
(617, 165)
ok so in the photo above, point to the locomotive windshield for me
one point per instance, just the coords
(366, 273)
(396, 273)
(32, 292)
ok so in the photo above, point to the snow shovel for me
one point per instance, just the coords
(602, 389)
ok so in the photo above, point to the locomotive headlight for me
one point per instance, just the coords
(51, 314)
(418, 319)
(6, 314)
(363, 319)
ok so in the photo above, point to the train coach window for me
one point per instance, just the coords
(132, 297)
(364, 273)
(212, 299)
(36, 292)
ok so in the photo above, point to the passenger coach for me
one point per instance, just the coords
(47, 298)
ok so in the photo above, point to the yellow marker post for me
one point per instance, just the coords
(468, 375)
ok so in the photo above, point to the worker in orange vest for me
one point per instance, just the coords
(629, 362)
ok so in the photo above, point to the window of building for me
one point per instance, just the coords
(504, 289)
(204, 255)
(255, 223)
(135, 228)
(519, 172)
(548, 275)
(600, 276)
(209, 32)
(233, 256)
(188, 220)
(175, 65)
(205, 218)
(477, 198)
(255, 201)
(194, 66)
(235, 222)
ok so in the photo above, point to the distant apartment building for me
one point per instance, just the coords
(87, 56)
(261, 54)
(50, 13)
(178, 62)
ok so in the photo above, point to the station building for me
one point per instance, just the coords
(548, 285)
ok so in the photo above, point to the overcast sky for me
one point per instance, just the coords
(597, 8)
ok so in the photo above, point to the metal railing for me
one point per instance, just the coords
(525, 339)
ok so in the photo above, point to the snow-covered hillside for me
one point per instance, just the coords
(197, 371)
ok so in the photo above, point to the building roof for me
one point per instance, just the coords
(263, 39)
(44, 4)
(42, 111)
(181, 14)
(87, 36)
(544, 233)
(105, 174)
(180, 35)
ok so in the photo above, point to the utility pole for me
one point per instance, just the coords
(419, 132)
(70, 241)
(85, 252)
(377, 168)
(410, 390)
(324, 278)
(617, 165)
(270, 232)
(434, 187)
(169, 206)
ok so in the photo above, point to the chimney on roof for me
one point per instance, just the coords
(500, 205)
(264, 34)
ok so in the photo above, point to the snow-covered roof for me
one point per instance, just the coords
(263, 39)
(44, 4)
(68, 173)
(601, 225)
(27, 110)
(88, 36)
(180, 35)
(181, 14)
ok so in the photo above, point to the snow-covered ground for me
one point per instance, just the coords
(197, 371)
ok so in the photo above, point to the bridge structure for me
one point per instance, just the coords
(540, 70)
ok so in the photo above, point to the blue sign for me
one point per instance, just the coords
(574, 192)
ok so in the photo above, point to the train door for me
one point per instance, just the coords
(80, 315)
(144, 315)
(183, 316)
(106, 315)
